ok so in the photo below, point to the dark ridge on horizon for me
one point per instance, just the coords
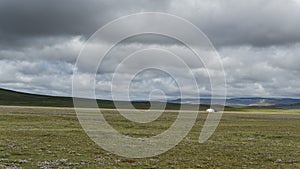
(10, 97)
(141, 100)
(16, 98)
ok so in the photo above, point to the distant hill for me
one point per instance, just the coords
(258, 101)
(250, 102)
(14, 98)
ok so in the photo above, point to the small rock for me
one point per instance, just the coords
(63, 160)
(22, 161)
(173, 162)
(250, 139)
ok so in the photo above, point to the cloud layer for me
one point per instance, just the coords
(258, 41)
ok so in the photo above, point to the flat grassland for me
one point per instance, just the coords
(35, 137)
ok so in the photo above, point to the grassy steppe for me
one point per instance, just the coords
(53, 138)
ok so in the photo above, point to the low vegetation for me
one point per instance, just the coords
(52, 138)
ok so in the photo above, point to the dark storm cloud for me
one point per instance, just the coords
(233, 22)
(242, 22)
(24, 19)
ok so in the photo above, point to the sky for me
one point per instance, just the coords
(258, 42)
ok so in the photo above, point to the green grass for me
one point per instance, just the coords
(48, 137)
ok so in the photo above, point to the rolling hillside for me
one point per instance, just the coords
(13, 98)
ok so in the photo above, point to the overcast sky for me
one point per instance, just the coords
(258, 41)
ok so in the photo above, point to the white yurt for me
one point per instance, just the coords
(210, 110)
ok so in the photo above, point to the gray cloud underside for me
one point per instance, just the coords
(233, 22)
(259, 44)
